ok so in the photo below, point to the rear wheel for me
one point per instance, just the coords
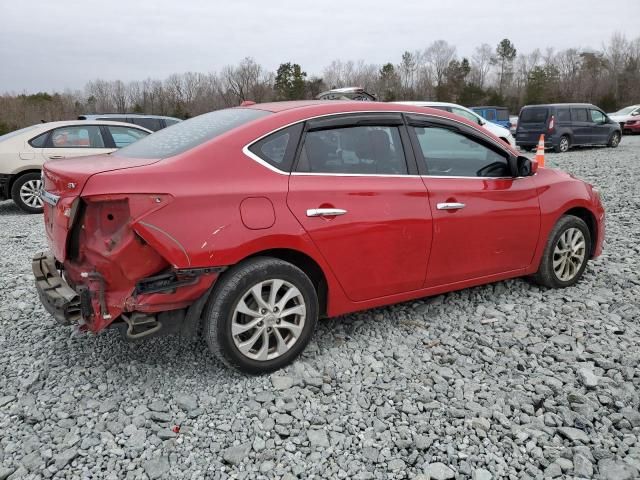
(25, 192)
(566, 253)
(261, 315)
(563, 145)
(614, 141)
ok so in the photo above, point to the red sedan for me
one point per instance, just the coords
(248, 224)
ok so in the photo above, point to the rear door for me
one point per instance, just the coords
(485, 221)
(356, 191)
(581, 126)
(533, 122)
(74, 141)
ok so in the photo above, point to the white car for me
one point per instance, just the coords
(501, 132)
(23, 152)
(626, 114)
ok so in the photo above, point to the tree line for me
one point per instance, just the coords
(498, 75)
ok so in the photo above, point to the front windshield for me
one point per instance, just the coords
(186, 135)
(625, 111)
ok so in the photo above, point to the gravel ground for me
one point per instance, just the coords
(501, 381)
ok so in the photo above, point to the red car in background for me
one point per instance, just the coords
(631, 126)
(248, 224)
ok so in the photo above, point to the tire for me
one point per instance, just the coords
(563, 145)
(614, 141)
(568, 228)
(24, 190)
(233, 295)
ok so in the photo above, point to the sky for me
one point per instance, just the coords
(53, 45)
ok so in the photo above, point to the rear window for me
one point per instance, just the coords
(503, 114)
(186, 135)
(7, 136)
(564, 115)
(533, 115)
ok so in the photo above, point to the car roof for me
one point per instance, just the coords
(420, 103)
(91, 116)
(561, 105)
(70, 123)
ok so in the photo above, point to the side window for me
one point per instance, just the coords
(152, 124)
(503, 115)
(465, 114)
(278, 149)
(39, 141)
(356, 150)
(123, 136)
(450, 154)
(597, 116)
(563, 115)
(579, 114)
(77, 137)
(490, 115)
(170, 121)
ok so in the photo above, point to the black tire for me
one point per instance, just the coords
(546, 275)
(614, 141)
(31, 179)
(233, 287)
(563, 144)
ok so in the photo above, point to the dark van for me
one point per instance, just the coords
(565, 125)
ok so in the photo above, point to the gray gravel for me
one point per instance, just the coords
(500, 381)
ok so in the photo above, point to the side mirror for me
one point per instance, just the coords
(525, 166)
(481, 121)
(635, 114)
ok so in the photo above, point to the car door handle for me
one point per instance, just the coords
(325, 212)
(55, 157)
(451, 206)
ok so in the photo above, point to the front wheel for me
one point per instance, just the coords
(566, 253)
(261, 315)
(614, 141)
(25, 192)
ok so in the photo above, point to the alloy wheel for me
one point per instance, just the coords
(615, 140)
(268, 319)
(30, 193)
(564, 144)
(569, 254)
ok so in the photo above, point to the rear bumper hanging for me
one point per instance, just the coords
(58, 298)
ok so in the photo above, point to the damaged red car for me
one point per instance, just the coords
(246, 225)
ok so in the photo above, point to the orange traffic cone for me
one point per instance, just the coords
(540, 151)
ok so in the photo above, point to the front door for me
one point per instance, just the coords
(600, 127)
(485, 221)
(368, 217)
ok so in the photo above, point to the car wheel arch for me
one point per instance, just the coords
(589, 218)
(305, 263)
(15, 176)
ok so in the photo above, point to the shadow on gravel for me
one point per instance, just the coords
(9, 208)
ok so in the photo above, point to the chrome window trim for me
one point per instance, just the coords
(266, 164)
(314, 174)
